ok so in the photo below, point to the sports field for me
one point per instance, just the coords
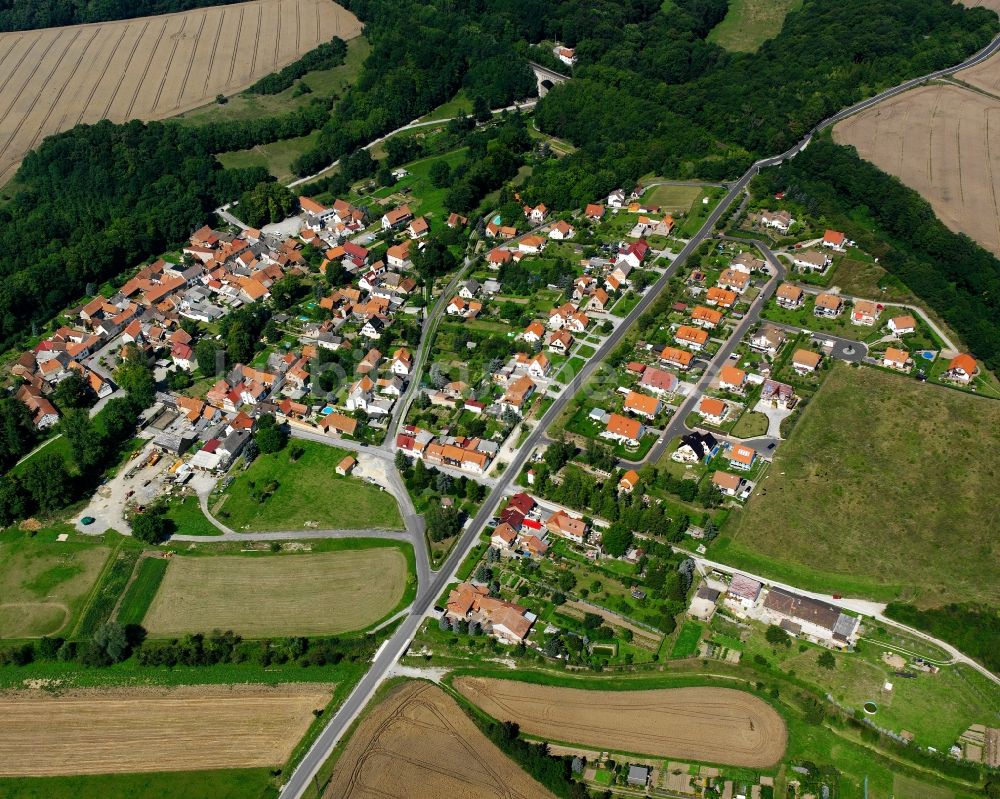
(418, 744)
(151, 67)
(98, 731)
(885, 488)
(718, 725)
(307, 494)
(44, 583)
(290, 594)
(939, 140)
(750, 23)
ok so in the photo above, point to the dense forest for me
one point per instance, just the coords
(23, 15)
(949, 271)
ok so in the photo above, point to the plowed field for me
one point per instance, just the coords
(151, 67)
(418, 744)
(154, 729)
(720, 725)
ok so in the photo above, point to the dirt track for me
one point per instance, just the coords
(418, 744)
(151, 67)
(719, 725)
(154, 729)
(944, 142)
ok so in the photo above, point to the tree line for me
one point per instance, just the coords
(326, 56)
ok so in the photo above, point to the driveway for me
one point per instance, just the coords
(775, 416)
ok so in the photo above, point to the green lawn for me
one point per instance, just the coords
(188, 519)
(884, 489)
(276, 157)
(457, 106)
(750, 23)
(307, 491)
(750, 425)
(45, 583)
(425, 199)
(687, 640)
(230, 784)
(672, 199)
(140, 593)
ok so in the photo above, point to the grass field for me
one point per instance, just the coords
(276, 157)
(750, 23)
(687, 640)
(884, 489)
(208, 784)
(154, 729)
(139, 595)
(425, 199)
(45, 583)
(151, 67)
(188, 519)
(912, 789)
(310, 494)
(718, 725)
(672, 199)
(750, 425)
(419, 736)
(321, 593)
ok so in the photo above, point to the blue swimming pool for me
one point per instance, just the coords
(497, 219)
(927, 355)
(327, 410)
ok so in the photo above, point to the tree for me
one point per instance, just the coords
(400, 460)
(73, 392)
(443, 522)
(617, 539)
(12, 500)
(433, 260)
(826, 660)
(85, 441)
(46, 480)
(286, 292)
(17, 431)
(440, 174)
(135, 376)
(270, 436)
(109, 644)
(239, 341)
(178, 379)
(151, 526)
(210, 356)
(777, 636)
(481, 109)
(267, 202)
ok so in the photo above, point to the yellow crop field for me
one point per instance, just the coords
(151, 67)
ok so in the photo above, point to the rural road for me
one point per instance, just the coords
(428, 592)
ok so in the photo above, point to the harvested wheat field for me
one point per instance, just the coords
(418, 744)
(310, 594)
(102, 731)
(720, 725)
(944, 142)
(993, 5)
(151, 67)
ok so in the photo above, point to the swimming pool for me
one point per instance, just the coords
(497, 220)
(327, 410)
(927, 355)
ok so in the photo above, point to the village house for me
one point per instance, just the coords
(778, 220)
(498, 256)
(503, 537)
(398, 256)
(732, 379)
(617, 200)
(777, 395)
(566, 54)
(559, 341)
(742, 457)
(734, 281)
(865, 312)
(896, 359)
(418, 228)
(811, 618)
(742, 594)
(537, 214)
(678, 358)
(534, 331)
(346, 466)
(658, 381)
(790, 296)
(713, 411)
(594, 212)
(562, 524)
(628, 481)
(692, 337)
(504, 620)
(518, 393)
(641, 404)
(828, 305)
(746, 262)
(457, 221)
(805, 361)
(811, 260)
(469, 289)
(961, 369)
(623, 430)
(707, 318)
(695, 447)
(539, 367)
(396, 218)
(598, 300)
(531, 244)
(724, 298)
(466, 309)
(728, 484)
(402, 362)
(834, 240)
(903, 325)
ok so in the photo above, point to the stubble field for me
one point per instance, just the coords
(151, 67)
(720, 725)
(309, 594)
(418, 744)
(942, 140)
(154, 729)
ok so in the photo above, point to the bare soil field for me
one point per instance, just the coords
(154, 729)
(993, 5)
(151, 67)
(309, 594)
(418, 744)
(944, 142)
(720, 725)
